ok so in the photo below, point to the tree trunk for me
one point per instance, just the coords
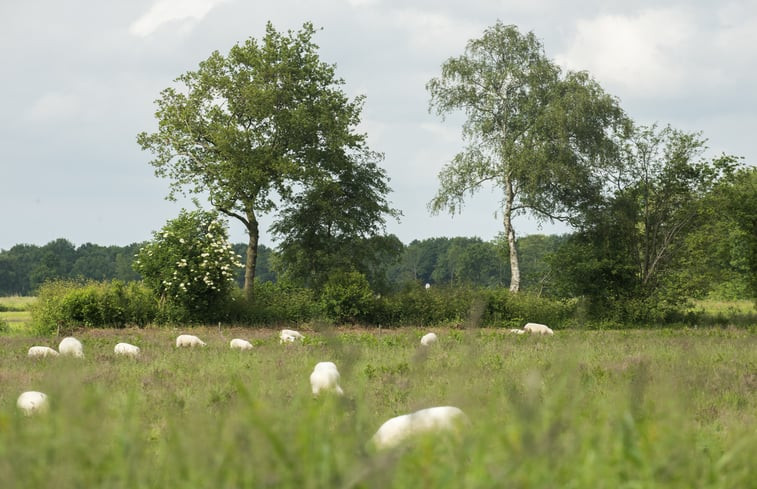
(252, 255)
(510, 234)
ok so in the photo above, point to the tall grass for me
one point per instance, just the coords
(582, 409)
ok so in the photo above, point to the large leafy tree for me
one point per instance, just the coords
(248, 127)
(337, 222)
(633, 245)
(539, 135)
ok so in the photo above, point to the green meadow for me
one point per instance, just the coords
(580, 409)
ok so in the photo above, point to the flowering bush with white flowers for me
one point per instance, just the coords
(191, 265)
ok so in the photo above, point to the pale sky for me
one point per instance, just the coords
(80, 78)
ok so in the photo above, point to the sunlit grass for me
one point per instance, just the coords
(663, 408)
(16, 303)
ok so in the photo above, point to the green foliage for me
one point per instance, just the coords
(254, 126)
(276, 303)
(503, 308)
(190, 265)
(537, 135)
(68, 304)
(23, 268)
(347, 298)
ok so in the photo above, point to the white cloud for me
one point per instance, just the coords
(165, 11)
(639, 53)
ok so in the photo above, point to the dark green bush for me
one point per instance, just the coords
(64, 303)
(347, 298)
(514, 310)
(274, 303)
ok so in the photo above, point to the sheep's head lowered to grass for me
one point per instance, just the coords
(325, 377)
(402, 428)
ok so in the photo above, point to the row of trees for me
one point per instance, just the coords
(438, 261)
(268, 129)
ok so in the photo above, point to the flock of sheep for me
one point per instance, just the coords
(324, 378)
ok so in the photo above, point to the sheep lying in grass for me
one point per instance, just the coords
(429, 339)
(127, 350)
(402, 428)
(188, 340)
(290, 336)
(325, 377)
(42, 351)
(240, 344)
(71, 346)
(536, 328)
(32, 402)
(516, 331)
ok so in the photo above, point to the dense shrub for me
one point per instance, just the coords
(347, 298)
(190, 265)
(64, 303)
(514, 310)
(274, 303)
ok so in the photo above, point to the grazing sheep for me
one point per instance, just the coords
(289, 336)
(127, 350)
(401, 428)
(42, 351)
(516, 331)
(32, 402)
(239, 344)
(536, 328)
(188, 340)
(325, 377)
(428, 286)
(429, 339)
(71, 346)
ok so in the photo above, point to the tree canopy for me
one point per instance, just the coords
(539, 135)
(253, 127)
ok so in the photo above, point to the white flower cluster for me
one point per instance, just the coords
(210, 270)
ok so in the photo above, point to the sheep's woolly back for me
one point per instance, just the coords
(188, 340)
(429, 339)
(516, 331)
(127, 350)
(42, 351)
(240, 344)
(536, 328)
(31, 402)
(289, 336)
(71, 346)
(325, 377)
(401, 428)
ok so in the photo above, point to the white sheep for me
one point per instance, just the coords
(429, 339)
(325, 377)
(127, 350)
(516, 331)
(71, 346)
(42, 351)
(536, 328)
(240, 344)
(188, 340)
(31, 402)
(289, 336)
(401, 428)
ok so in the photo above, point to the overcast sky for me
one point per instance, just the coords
(80, 78)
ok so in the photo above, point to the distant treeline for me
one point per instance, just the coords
(460, 260)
